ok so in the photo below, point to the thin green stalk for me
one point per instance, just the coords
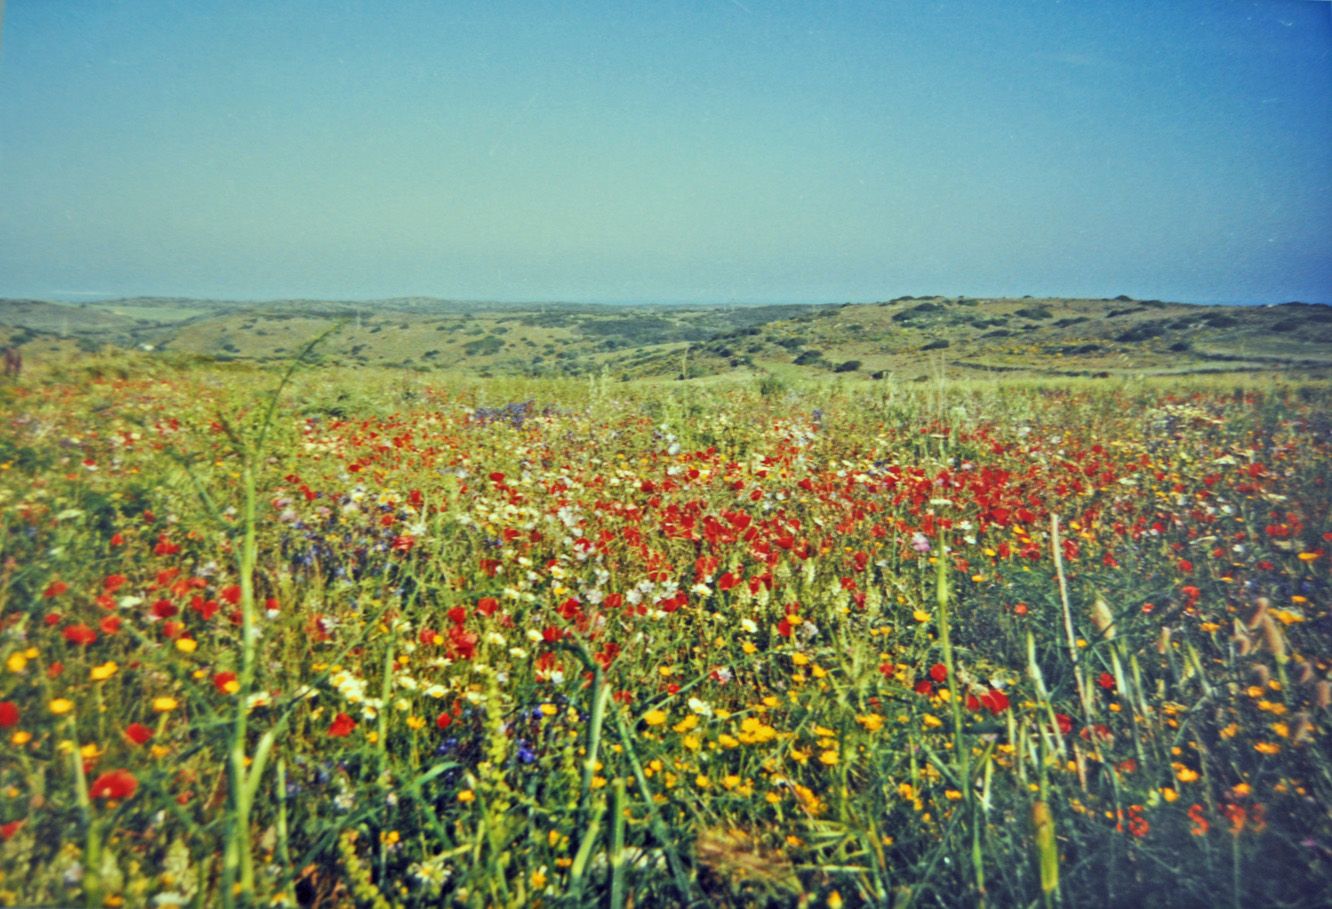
(616, 855)
(1058, 551)
(92, 852)
(654, 817)
(600, 698)
(283, 839)
(961, 750)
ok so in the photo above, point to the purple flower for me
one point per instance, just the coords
(920, 542)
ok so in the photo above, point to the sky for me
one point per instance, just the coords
(729, 151)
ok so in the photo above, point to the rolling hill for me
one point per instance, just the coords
(905, 338)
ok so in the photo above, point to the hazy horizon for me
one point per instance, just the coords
(729, 153)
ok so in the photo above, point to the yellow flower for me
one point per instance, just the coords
(828, 758)
(686, 724)
(654, 717)
(953, 795)
(21, 737)
(165, 704)
(799, 659)
(61, 706)
(931, 721)
(834, 900)
(920, 615)
(539, 878)
(16, 662)
(871, 721)
(1169, 794)
(416, 722)
(89, 751)
(1185, 774)
(466, 796)
(103, 672)
(187, 645)
(1266, 747)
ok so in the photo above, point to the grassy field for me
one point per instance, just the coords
(337, 636)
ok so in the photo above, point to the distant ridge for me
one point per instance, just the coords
(907, 337)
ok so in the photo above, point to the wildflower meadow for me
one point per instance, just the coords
(327, 637)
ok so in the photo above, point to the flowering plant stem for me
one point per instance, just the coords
(961, 749)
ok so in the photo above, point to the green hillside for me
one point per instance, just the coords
(906, 338)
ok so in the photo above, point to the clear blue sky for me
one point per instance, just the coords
(733, 150)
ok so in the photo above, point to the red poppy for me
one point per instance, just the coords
(138, 733)
(79, 634)
(1106, 681)
(226, 682)
(341, 726)
(995, 701)
(443, 721)
(9, 714)
(55, 589)
(8, 830)
(114, 784)
(939, 672)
